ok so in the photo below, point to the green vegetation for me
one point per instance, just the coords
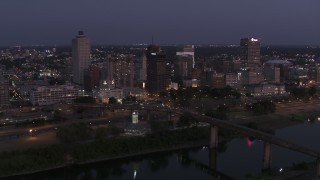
(112, 100)
(219, 113)
(62, 154)
(74, 133)
(262, 107)
(183, 96)
(128, 99)
(32, 159)
(301, 92)
(186, 120)
(302, 117)
(158, 126)
(81, 132)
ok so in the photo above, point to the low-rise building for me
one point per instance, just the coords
(266, 89)
(191, 83)
(47, 95)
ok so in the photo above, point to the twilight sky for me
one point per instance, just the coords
(48, 22)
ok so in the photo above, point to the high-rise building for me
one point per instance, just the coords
(120, 70)
(80, 57)
(143, 74)
(4, 92)
(283, 66)
(187, 50)
(92, 77)
(217, 80)
(158, 70)
(250, 61)
(250, 53)
(232, 80)
(183, 67)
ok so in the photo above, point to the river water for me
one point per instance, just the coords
(234, 160)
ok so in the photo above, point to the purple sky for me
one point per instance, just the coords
(48, 22)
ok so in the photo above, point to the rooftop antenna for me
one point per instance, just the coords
(152, 40)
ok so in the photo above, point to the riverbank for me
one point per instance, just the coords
(73, 164)
(286, 115)
(36, 160)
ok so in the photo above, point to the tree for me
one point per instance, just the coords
(128, 99)
(57, 115)
(312, 91)
(112, 100)
(158, 126)
(299, 92)
(263, 107)
(186, 119)
(73, 133)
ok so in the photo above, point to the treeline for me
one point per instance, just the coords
(262, 107)
(82, 132)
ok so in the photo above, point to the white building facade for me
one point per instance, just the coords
(47, 95)
(80, 57)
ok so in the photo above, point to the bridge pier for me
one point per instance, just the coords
(318, 168)
(213, 158)
(213, 136)
(267, 156)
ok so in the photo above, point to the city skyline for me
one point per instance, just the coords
(169, 22)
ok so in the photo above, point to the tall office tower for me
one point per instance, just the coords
(183, 67)
(158, 71)
(80, 57)
(250, 53)
(120, 70)
(187, 50)
(92, 77)
(4, 92)
(143, 74)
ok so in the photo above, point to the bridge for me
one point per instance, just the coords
(215, 123)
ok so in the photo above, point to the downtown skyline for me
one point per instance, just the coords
(289, 22)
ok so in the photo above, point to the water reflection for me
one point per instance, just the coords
(158, 162)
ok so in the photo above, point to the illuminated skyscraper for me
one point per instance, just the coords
(250, 53)
(188, 50)
(120, 70)
(183, 66)
(250, 60)
(80, 57)
(158, 71)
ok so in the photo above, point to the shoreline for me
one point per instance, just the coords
(67, 165)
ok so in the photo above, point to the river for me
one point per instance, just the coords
(235, 160)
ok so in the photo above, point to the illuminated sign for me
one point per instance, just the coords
(254, 40)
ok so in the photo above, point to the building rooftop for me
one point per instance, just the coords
(278, 62)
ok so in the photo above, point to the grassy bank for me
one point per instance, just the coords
(64, 154)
